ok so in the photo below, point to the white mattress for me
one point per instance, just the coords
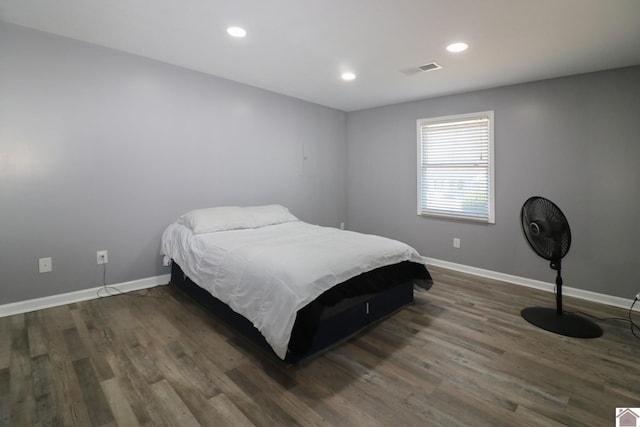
(267, 274)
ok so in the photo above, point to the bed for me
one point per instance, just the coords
(294, 287)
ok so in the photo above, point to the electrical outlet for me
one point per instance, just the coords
(45, 265)
(102, 257)
(342, 226)
(456, 242)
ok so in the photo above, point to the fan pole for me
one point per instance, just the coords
(556, 266)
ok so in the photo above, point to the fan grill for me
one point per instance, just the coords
(546, 228)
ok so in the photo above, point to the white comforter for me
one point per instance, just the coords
(267, 274)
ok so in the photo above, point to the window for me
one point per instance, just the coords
(455, 167)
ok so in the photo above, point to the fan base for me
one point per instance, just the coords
(567, 324)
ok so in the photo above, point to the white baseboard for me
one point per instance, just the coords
(530, 283)
(83, 295)
(149, 282)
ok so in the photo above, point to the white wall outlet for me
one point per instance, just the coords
(456, 242)
(342, 226)
(102, 257)
(45, 265)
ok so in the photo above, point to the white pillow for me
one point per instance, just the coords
(216, 219)
(270, 214)
(210, 220)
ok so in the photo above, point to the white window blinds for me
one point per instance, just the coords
(455, 167)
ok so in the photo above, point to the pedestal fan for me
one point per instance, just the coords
(548, 233)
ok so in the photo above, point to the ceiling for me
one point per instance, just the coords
(300, 48)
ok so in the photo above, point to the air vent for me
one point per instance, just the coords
(429, 67)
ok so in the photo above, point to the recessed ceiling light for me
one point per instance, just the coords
(236, 32)
(457, 47)
(348, 76)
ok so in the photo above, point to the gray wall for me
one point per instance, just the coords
(102, 150)
(575, 140)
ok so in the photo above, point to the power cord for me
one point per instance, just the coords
(111, 291)
(633, 326)
(107, 291)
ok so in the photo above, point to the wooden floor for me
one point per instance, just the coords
(460, 356)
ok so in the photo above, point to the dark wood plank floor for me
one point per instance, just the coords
(460, 356)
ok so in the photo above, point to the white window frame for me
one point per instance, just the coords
(459, 214)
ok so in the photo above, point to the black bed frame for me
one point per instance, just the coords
(337, 325)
